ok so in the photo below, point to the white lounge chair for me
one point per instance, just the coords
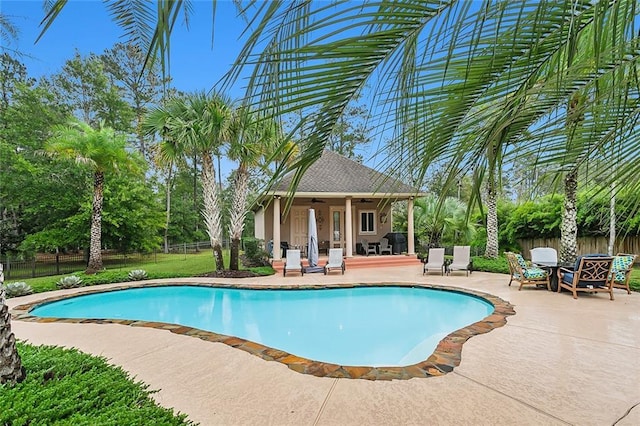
(335, 261)
(434, 261)
(293, 262)
(385, 247)
(461, 259)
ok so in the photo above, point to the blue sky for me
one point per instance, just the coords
(86, 25)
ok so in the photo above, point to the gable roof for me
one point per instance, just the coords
(334, 174)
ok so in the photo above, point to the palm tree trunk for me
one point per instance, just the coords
(435, 239)
(167, 219)
(95, 253)
(211, 211)
(11, 370)
(238, 214)
(569, 227)
(491, 251)
(612, 221)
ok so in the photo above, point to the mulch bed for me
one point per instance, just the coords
(231, 274)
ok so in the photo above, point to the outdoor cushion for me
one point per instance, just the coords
(521, 260)
(567, 277)
(620, 266)
(575, 268)
(533, 273)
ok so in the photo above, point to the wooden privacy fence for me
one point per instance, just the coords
(586, 245)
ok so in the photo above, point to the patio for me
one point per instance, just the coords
(557, 361)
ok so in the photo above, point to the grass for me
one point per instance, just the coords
(67, 387)
(161, 266)
(634, 282)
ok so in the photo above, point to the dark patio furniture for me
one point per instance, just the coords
(591, 274)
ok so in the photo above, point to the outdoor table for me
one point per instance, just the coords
(376, 246)
(552, 270)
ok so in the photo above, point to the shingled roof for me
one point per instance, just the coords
(336, 175)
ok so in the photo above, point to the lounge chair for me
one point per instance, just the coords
(621, 270)
(335, 261)
(526, 273)
(545, 256)
(368, 248)
(434, 261)
(385, 247)
(591, 274)
(461, 259)
(293, 262)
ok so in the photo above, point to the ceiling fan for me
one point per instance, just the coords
(317, 200)
(365, 200)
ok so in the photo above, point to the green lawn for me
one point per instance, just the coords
(160, 266)
(634, 283)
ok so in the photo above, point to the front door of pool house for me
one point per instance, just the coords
(337, 228)
(299, 228)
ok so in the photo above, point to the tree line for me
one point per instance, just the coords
(102, 145)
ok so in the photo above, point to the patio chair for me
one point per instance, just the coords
(368, 248)
(621, 270)
(591, 274)
(545, 256)
(461, 259)
(525, 273)
(385, 247)
(434, 261)
(335, 261)
(293, 262)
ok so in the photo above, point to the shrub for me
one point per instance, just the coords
(254, 254)
(18, 289)
(65, 386)
(137, 275)
(484, 264)
(72, 281)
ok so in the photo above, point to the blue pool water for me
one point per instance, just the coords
(372, 326)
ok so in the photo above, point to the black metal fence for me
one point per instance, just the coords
(43, 265)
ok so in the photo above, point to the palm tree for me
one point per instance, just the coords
(435, 69)
(252, 139)
(197, 124)
(103, 151)
(442, 221)
(11, 370)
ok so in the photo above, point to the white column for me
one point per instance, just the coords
(276, 228)
(410, 237)
(348, 228)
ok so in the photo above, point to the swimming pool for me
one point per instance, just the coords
(360, 326)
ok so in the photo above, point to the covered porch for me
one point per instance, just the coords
(353, 209)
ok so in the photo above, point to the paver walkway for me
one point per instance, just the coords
(557, 361)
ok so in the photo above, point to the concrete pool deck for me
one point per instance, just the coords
(556, 361)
